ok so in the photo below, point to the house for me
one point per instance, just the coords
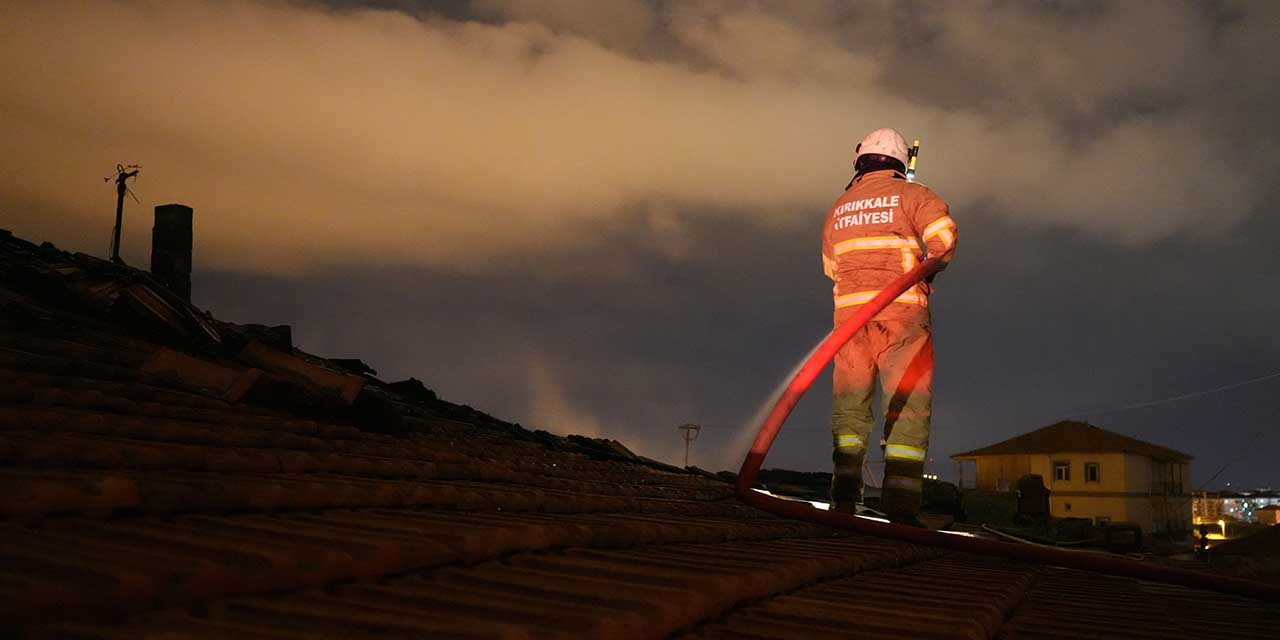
(1237, 506)
(1268, 515)
(1206, 506)
(1245, 506)
(1093, 473)
(164, 474)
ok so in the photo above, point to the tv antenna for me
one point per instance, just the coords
(690, 434)
(121, 177)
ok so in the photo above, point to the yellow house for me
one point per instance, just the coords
(1093, 473)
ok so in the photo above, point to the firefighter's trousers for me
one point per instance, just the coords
(898, 353)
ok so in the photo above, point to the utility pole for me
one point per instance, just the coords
(690, 434)
(122, 174)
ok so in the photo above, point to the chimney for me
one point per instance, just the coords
(171, 248)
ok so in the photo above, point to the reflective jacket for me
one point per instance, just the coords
(882, 227)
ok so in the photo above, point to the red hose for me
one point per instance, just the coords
(1097, 562)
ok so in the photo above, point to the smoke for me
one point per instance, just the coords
(307, 136)
(624, 196)
(549, 403)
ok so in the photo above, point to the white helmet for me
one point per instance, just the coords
(883, 141)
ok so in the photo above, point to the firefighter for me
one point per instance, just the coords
(881, 227)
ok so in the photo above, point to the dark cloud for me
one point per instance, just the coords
(602, 217)
(1057, 326)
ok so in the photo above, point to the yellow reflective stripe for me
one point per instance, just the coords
(863, 297)
(938, 226)
(947, 238)
(849, 441)
(904, 452)
(875, 242)
(902, 482)
(908, 259)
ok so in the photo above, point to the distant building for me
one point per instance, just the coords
(1269, 515)
(1206, 506)
(1093, 473)
(1242, 506)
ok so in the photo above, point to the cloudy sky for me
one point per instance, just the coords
(603, 217)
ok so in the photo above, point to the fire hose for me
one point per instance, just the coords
(1087, 561)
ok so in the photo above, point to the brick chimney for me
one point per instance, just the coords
(171, 248)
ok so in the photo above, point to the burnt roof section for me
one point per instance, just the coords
(161, 484)
(1070, 436)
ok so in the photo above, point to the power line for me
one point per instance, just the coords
(1242, 453)
(1184, 396)
(725, 427)
(1095, 412)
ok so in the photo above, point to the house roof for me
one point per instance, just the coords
(1264, 543)
(163, 477)
(1070, 436)
(1246, 495)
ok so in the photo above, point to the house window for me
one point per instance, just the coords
(1061, 471)
(1091, 473)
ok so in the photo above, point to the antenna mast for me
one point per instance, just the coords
(122, 174)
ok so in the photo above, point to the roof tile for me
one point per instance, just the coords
(136, 504)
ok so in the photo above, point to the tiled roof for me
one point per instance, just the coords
(1263, 543)
(1075, 437)
(168, 487)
